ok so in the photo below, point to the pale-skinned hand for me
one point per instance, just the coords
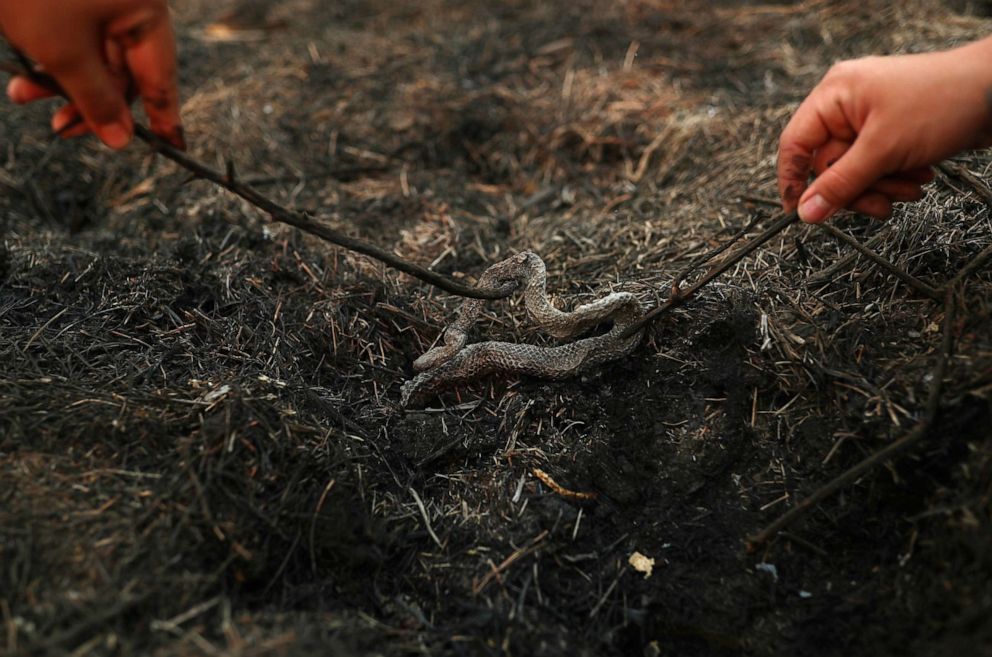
(96, 50)
(872, 128)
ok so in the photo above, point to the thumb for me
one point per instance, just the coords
(843, 182)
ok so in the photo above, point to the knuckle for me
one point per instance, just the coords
(839, 71)
(133, 26)
(838, 68)
(848, 72)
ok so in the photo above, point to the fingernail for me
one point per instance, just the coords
(178, 138)
(815, 209)
(70, 127)
(13, 91)
(60, 121)
(115, 135)
(791, 195)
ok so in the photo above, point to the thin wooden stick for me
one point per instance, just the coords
(678, 296)
(958, 171)
(904, 276)
(712, 253)
(305, 223)
(882, 455)
(275, 211)
(978, 262)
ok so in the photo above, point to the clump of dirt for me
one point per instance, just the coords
(199, 422)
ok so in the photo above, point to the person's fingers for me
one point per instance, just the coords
(827, 154)
(113, 57)
(818, 121)
(150, 53)
(22, 90)
(873, 204)
(902, 186)
(97, 97)
(898, 189)
(804, 133)
(846, 180)
(64, 116)
(921, 175)
(67, 122)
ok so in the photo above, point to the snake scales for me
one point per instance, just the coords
(453, 362)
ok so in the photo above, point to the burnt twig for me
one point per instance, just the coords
(933, 399)
(712, 253)
(902, 275)
(882, 455)
(961, 173)
(678, 296)
(275, 211)
(976, 263)
(306, 223)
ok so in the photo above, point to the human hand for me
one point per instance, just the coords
(873, 127)
(95, 50)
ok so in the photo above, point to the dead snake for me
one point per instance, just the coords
(453, 362)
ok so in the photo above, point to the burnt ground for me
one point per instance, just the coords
(201, 446)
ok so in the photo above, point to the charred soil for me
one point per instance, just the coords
(201, 446)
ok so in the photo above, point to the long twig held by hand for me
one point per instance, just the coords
(884, 454)
(904, 276)
(304, 222)
(277, 212)
(977, 263)
(957, 171)
(949, 290)
(782, 221)
(712, 253)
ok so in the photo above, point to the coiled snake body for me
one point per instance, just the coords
(453, 362)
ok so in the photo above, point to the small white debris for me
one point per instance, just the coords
(766, 336)
(216, 394)
(641, 564)
(805, 595)
(768, 568)
(276, 382)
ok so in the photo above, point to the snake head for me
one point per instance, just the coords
(528, 259)
(520, 268)
(533, 270)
